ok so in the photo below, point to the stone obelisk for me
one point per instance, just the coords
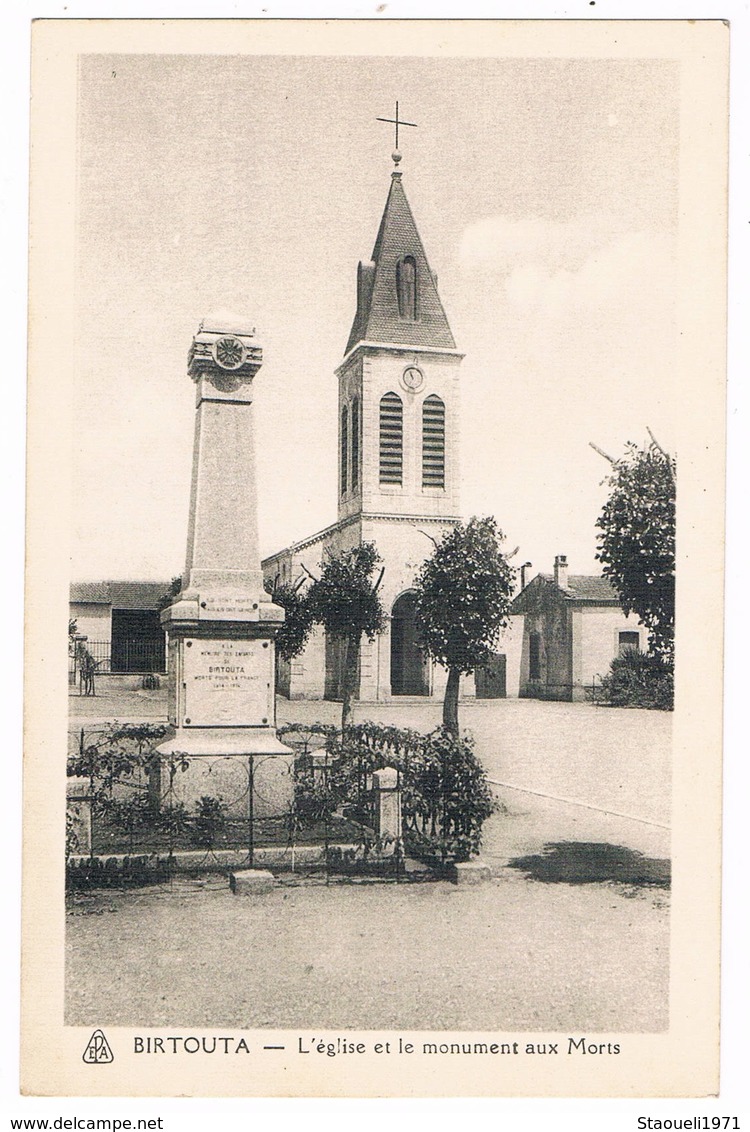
(221, 626)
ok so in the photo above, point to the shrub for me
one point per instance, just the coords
(173, 820)
(373, 856)
(119, 756)
(209, 821)
(72, 840)
(130, 814)
(445, 794)
(638, 679)
(313, 801)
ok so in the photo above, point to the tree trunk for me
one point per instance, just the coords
(450, 703)
(349, 682)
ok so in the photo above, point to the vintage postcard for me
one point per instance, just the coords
(376, 459)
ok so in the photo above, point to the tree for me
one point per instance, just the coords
(293, 633)
(636, 543)
(170, 594)
(463, 601)
(345, 601)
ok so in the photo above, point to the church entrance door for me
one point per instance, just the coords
(409, 665)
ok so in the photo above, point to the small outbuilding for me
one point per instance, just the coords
(118, 622)
(573, 627)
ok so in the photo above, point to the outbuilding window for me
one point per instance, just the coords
(627, 641)
(535, 657)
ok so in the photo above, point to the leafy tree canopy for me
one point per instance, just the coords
(344, 599)
(463, 595)
(292, 636)
(636, 543)
(170, 594)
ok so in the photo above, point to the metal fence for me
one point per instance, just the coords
(118, 657)
(150, 818)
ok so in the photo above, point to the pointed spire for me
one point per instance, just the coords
(380, 317)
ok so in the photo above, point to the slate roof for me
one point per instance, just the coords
(96, 593)
(589, 587)
(120, 595)
(377, 318)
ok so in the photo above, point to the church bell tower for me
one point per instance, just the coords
(398, 383)
(398, 458)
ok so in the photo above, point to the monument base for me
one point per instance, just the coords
(226, 764)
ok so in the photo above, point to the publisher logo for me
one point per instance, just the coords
(97, 1052)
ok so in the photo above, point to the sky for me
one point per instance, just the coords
(546, 195)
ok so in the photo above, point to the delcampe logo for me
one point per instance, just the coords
(97, 1052)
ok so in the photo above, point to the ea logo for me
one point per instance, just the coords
(97, 1052)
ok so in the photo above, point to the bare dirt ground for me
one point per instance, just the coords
(508, 955)
(586, 793)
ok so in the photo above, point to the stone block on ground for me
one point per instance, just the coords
(471, 872)
(415, 868)
(251, 882)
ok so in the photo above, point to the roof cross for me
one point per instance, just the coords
(397, 122)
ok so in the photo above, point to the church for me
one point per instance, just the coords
(398, 487)
(398, 460)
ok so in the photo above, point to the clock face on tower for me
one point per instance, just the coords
(412, 378)
(229, 353)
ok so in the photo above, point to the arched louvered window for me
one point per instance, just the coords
(355, 443)
(391, 439)
(406, 287)
(344, 450)
(433, 442)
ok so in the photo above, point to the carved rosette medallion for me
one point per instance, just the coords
(224, 355)
(229, 352)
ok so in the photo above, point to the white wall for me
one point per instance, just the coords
(93, 620)
(511, 643)
(600, 629)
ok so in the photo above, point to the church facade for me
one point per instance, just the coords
(398, 453)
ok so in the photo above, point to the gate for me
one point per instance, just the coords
(491, 679)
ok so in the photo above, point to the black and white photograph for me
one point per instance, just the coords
(376, 427)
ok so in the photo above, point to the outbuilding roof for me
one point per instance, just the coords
(590, 589)
(120, 595)
(90, 593)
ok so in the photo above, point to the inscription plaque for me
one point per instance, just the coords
(229, 607)
(227, 683)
